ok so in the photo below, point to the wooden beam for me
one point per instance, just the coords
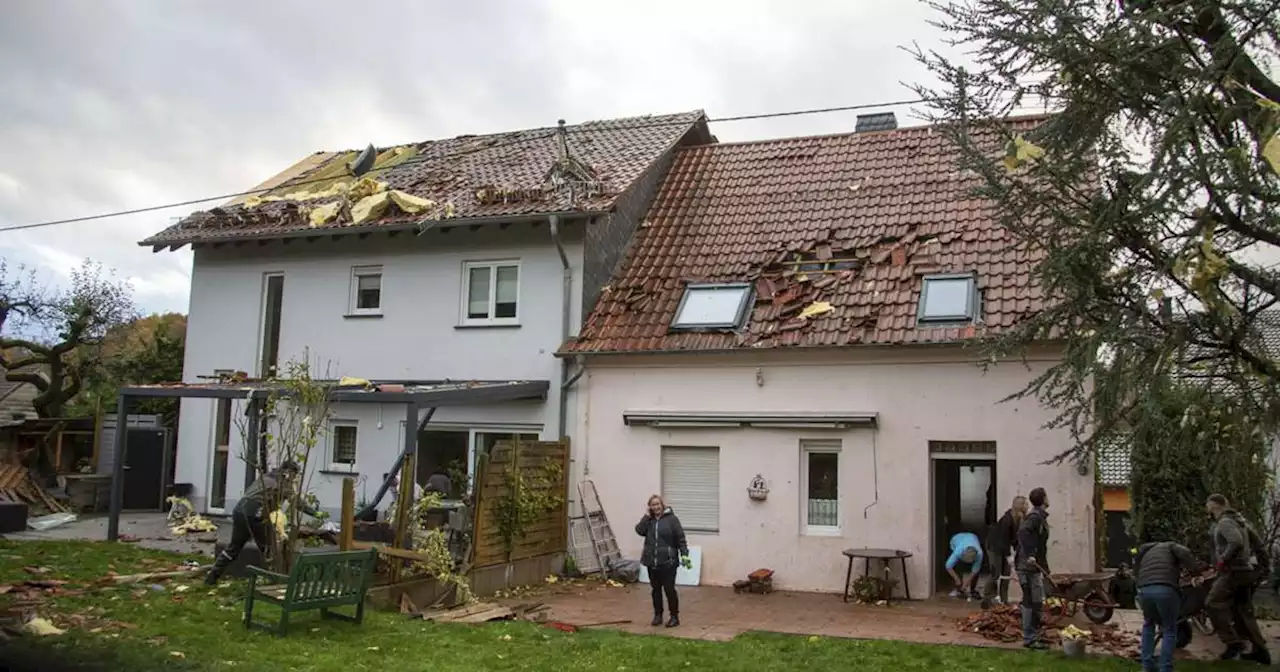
(348, 519)
(391, 552)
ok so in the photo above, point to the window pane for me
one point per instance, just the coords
(710, 306)
(368, 292)
(478, 293)
(344, 445)
(508, 291)
(824, 494)
(947, 298)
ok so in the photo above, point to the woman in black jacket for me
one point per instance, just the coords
(1001, 540)
(665, 550)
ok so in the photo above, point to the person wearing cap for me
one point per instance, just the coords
(965, 548)
(272, 489)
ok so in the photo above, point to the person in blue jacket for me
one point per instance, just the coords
(966, 549)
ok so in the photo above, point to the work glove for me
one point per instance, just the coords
(686, 562)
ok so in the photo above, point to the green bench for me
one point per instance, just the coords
(318, 581)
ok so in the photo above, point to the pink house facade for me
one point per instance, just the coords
(787, 354)
(889, 420)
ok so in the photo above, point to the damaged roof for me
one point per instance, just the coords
(880, 210)
(467, 177)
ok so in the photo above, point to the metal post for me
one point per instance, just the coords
(252, 439)
(117, 469)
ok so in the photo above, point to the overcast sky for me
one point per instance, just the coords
(111, 105)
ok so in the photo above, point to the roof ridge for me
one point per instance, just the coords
(846, 134)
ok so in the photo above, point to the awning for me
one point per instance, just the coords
(763, 420)
(425, 393)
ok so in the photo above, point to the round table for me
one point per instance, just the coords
(884, 555)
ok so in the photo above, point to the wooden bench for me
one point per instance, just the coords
(318, 581)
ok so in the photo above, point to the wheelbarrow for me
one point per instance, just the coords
(1090, 593)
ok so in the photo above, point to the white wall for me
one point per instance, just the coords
(886, 500)
(418, 337)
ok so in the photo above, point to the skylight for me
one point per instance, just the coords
(721, 306)
(949, 298)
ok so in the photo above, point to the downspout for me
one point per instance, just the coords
(566, 315)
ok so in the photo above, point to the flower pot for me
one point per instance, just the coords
(1074, 648)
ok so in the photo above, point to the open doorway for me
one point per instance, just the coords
(964, 498)
(444, 450)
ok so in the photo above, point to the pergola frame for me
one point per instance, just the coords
(415, 395)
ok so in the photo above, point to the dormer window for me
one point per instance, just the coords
(718, 306)
(949, 299)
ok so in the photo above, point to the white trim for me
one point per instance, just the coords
(473, 431)
(493, 266)
(820, 447)
(262, 322)
(353, 294)
(331, 444)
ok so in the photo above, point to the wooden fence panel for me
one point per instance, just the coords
(547, 534)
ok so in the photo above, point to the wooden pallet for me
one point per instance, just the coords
(17, 485)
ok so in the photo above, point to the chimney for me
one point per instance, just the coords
(881, 121)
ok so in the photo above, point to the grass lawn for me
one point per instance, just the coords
(137, 628)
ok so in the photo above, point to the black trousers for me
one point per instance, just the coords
(244, 528)
(663, 580)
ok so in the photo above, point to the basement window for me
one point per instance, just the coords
(719, 306)
(949, 298)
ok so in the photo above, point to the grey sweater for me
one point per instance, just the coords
(1162, 563)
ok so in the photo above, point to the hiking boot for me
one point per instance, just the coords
(1258, 655)
(1233, 652)
(674, 621)
(657, 619)
(211, 579)
(1035, 646)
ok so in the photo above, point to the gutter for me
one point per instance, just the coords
(416, 226)
(566, 316)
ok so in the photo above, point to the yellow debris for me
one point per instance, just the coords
(1271, 152)
(1072, 632)
(1022, 151)
(815, 309)
(348, 381)
(42, 627)
(278, 520)
(369, 207)
(323, 214)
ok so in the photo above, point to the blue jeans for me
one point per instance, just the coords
(1160, 606)
(1032, 584)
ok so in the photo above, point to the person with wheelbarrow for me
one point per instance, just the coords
(1032, 565)
(272, 489)
(1230, 601)
(1159, 570)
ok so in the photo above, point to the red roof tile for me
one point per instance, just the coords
(891, 201)
(513, 165)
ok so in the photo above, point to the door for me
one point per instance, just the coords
(963, 501)
(144, 467)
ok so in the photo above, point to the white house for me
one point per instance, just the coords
(467, 259)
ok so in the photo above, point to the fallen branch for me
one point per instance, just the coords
(127, 579)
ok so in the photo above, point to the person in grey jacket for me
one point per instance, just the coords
(1230, 598)
(1032, 564)
(1159, 572)
(271, 490)
(665, 550)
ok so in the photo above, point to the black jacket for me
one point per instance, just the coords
(664, 542)
(1002, 535)
(269, 490)
(1162, 563)
(1033, 540)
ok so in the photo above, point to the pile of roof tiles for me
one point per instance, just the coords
(1003, 623)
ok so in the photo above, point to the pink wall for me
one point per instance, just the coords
(919, 394)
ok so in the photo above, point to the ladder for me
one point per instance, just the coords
(604, 545)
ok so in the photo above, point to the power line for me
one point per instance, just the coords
(547, 130)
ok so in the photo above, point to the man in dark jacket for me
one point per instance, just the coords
(1001, 538)
(665, 550)
(271, 490)
(1030, 562)
(1159, 571)
(1230, 600)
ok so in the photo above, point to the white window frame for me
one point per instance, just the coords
(739, 314)
(331, 446)
(353, 298)
(213, 454)
(662, 479)
(973, 299)
(473, 439)
(493, 266)
(820, 447)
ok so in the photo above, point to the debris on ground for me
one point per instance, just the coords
(34, 591)
(42, 523)
(483, 612)
(151, 577)
(570, 627)
(1003, 623)
(18, 485)
(184, 520)
(759, 582)
(41, 627)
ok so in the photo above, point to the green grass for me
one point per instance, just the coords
(202, 631)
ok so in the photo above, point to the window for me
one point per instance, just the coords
(712, 307)
(343, 442)
(949, 298)
(691, 486)
(272, 307)
(820, 472)
(221, 454)
(366, 290)
(492, 293)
